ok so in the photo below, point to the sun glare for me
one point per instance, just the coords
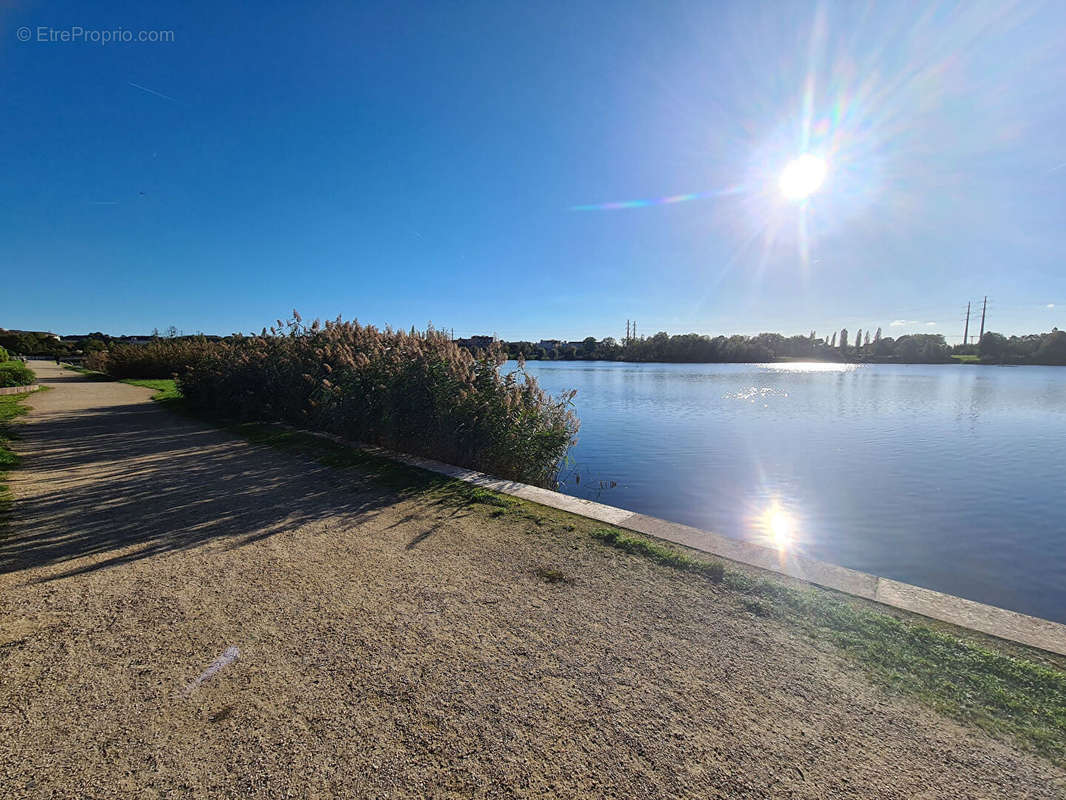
(802, 176)
(779, 526)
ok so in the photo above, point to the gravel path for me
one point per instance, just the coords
(365, 645)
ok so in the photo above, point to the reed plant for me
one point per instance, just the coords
(159, 358)
(416, 392)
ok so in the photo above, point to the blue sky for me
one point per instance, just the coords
(422, 162)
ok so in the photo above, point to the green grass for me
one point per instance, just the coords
(1004, 694)
(660, 554)
(11, 407)
(166, 389)
(968, 359)
(551, 575)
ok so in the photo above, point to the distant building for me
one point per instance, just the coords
(550, 344)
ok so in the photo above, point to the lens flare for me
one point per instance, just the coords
(802, 177)
(619, 205)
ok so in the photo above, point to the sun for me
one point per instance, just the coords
(802, 176)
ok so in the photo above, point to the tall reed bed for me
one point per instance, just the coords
(159, 358)
(416, 392)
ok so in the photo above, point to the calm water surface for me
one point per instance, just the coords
(950, 477)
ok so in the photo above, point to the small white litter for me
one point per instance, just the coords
(229, 655)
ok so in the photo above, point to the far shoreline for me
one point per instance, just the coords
(799, 360)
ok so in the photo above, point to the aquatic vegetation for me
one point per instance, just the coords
(417, 392)
(159, 358)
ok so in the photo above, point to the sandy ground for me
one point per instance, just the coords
(397, 648)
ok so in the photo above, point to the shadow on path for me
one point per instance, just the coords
(97, 481)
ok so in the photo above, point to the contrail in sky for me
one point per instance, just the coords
(151, 91)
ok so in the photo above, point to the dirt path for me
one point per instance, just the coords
(395, 648)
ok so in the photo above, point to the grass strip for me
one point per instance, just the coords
(713, 570)
(1003, 694)
(11, 407)
(166, 389)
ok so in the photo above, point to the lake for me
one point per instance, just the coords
(951, 477)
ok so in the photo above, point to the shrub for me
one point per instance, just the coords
(415, 392)
(15, 373)
(160, 358)
(3, 355)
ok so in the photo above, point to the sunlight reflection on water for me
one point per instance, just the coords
(777, 527)
(809, 366)
(755, 393)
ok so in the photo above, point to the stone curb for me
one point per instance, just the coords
(1011, 625)
(19, 389)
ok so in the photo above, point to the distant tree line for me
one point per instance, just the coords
(43, 343)
(31, 343)
(864, 346)
(700, 348)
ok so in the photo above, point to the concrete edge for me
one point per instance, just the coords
(19, 389)
(992, 620)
